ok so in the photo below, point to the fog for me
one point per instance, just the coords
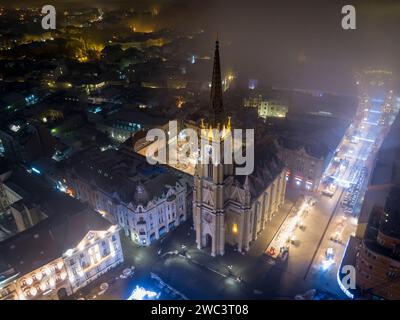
(283, 43)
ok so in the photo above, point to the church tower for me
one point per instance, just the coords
(210, 176)
(231, 209)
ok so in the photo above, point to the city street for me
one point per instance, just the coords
(313, 226)
(357, 151)
(197, 275)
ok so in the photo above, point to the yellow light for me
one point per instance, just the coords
(47, 271)
(81, 246)
(63, 275)
(33, 291)
(43, 286)
(235, 228)
(210, 133)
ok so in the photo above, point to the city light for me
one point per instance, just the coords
(37, 171)
(140, 293)
(327, 263)
(235, 228)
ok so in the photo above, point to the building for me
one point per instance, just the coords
(307, 145)
(146, 201)
(266, 108)
(306, 163)
(69, 247)
(272, 109)
(25, 142)
(385, 175)
(254, 101)
(228, 209)
(21, 197)
(378, 255)
(124, 123)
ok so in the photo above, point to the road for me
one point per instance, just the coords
(369, 135)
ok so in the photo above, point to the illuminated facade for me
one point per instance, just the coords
(273, 109)
(58, 256)
(146, 201)
(266, 107)
(97, 253)
(229, 209)
(304, 170)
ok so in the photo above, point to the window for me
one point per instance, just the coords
(391, 274)
(94, 253)
(5, 292)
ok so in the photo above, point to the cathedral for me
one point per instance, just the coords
(229, 209)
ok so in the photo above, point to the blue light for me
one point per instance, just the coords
(326, 263)
(31, 99)
(61, 187)
(140, 293)
(96, 110)
(36, 170)
(252, 84)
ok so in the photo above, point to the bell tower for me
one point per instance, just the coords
(211, 174)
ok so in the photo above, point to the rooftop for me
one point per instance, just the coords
(123, 175)
(48, 240)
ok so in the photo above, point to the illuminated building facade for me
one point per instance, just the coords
(304, 169)
(146, 201)
(229, 209)
(254, 101)
(266, 108)
(271, 108)
(59, 255)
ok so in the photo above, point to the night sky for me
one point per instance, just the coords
(284, 43)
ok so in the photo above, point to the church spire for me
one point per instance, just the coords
(216, 107)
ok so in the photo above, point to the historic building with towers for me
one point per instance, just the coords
(227, 208)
